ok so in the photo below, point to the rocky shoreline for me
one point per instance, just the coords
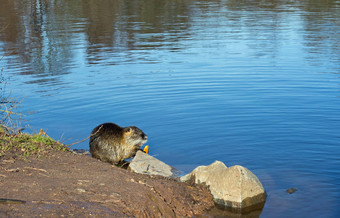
(235, 187)
(41, 177)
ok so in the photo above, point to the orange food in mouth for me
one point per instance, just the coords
(146, 149)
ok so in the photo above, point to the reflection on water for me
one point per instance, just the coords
(254, 83)
(114, 32)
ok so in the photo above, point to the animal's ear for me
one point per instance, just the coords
(128, 130)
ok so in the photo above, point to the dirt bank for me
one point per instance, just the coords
(61, 183)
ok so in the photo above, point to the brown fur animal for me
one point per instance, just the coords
(112, 143)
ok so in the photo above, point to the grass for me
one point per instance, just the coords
(23, 144)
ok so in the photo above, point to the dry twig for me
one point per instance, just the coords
(86, 137)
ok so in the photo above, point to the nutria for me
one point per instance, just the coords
(112, 143)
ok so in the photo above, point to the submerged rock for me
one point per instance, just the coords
(146, 164)
(291, 190)
(235, 187)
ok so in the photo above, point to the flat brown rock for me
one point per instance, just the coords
(66, 184)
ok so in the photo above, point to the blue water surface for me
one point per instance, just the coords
(252, 83)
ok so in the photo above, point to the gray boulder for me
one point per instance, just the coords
(235, 187)
(146, 164)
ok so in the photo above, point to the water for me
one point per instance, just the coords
(254, 83)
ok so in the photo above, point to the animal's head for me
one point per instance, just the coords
(134, 135)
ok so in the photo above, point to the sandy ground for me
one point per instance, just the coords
(64, 184)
